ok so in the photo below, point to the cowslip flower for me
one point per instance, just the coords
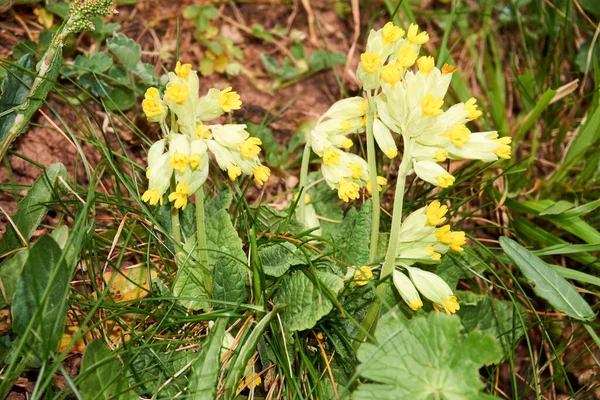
(407, 290)
(434, 289)
(421, 239)
(180, 160)
(362, 275)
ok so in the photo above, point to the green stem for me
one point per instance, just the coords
(201, 241)
(175, 225)
(303, 181)
(372, 162)
(370, 322)
(257, 272)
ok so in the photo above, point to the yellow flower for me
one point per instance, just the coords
(450, 305)
(348, 190)
(440, 155)
(415, 38)
(381, 181)
(153, 197)
(444, 235)
(406, 57)
(306, 198)
(431, 106)
(180, 195)
(370, 61)
(345, 124)
(426, 65)
(331, 157)
(347, 143)
(148, 173)
(182, 70)
(249, 382)
(391, 74)
(444, 180)
(194, 161)
(152, 93)
(391, 33)
(261, 174)
(250, 147)
(435, 213)
(179, 161)
(472, 108)
(233, 172)
(448, 69)
(229, 100)
(202, 132)
(416, 304)
(503, 151)
(459, 135)
(177, 92)
(151, 108)
(362, 276)
(391, 153)
(433, 254)
(356, 169)
(458, 240)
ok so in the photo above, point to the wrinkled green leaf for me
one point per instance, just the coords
(276, 259)
(101, 376)
(353, 236)
(126, 50)
(498, 318)
(430, 357)
(306, 301)
(33, 208)
(546, 282)
(42, 272)
(120, 99)
(153, 371)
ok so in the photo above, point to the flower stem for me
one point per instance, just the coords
(201, 241)
(303, 180)
(370, 322)
(372, 162)
(175, 225)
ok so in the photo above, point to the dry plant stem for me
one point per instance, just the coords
(370, 322)
(372, 162)
(303, 180)
(201, 241)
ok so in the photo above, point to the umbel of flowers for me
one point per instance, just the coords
(403, 97)
(178, 162)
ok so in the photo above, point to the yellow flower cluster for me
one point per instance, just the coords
(179, 161)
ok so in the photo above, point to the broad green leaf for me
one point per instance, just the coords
(45, 314)
(206, 369)
(276, 259)
(321, 59)
(15, 89)
(229, 281)
(11, 268)
(146, 73)
(154, 371)
(101, 375)
(352, 238)
(305, 299)
(96, 62)
(430, 357)
(546, 282)
(226, 252)
(33, 208)
(221, 201)
(495, 317)
(223, 244)
(120, 99)
(126, 50)
(326, 204)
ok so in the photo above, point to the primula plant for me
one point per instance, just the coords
(403, 98)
